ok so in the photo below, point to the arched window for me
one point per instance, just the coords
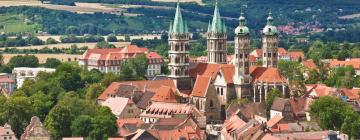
(211, 103)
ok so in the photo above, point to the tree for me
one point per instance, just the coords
(341, 77)
(81, 126)
(313, 77)
(330, 112)
(272, 94)
(127, 73)
(93, 91)
(52, 63)
(24, 61)
(1, 60)
(41, 105)
(103, 124)
(18, 112)
(51, 41)
(293, 71)
(104, 45)
(70, 106)
(112, 38)
(140, 65)
(109, 78)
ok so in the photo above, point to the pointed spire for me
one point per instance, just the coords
(171, 28)
(224, 27)
(217, 24)
(209, 27)
(186, 27)
(178, 26)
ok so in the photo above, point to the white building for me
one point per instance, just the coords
(23, 73)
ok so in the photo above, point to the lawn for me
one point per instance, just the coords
(17, 24)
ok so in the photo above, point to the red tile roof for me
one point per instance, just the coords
(233, 123)
(320, 90)
(309, 64)
(201, 85)
(205, 69)
(270, 137)
(274, 120)
(6, 79)
(228, 73)
(148, 85)
(295, 55)
(153, 55)
(351, 62)
(352, 94)
(267, 75)
(165, 94)
(258, 52)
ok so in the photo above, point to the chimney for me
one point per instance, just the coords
(145, 88)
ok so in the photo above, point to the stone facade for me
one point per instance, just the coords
(217, 39)
(179, 52)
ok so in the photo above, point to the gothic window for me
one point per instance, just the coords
(211, 103)
(269, 54)
(264, 54)
(176, 47)
(217, 90)
(241, 55)
(222, 91)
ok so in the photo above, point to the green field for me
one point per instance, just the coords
(17, 24)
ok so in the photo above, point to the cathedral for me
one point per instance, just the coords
(214, 84)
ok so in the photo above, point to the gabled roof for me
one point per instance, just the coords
(309, 64)
(352, 94)
(116, 104)
(248, 110)
(320, 90)
(206, 69)
(296, 55)
(145, 100)
(228, 73)
(355, 62)
(266, 75)
(258, 52)
(153, 55)
(279, 104)
(164, 94)
(273, 121)
(142, 86)
(234, 123)
(201, 85)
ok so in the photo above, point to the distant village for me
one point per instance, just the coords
(215, 97)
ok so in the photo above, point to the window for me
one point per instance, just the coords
(222, 91)
(211, 103)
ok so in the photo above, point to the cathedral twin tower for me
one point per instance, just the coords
(179, 37)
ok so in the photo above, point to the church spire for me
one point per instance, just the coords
(178, 26)
(270, 19)
(217, 25)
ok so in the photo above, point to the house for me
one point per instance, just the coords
(122, 107)
(23, 73)
(354, 62)
(235, 129)
(296, 55)
(130, 125)
(282, 54)
(6, 133)
(35, 131)
(282, 107)
(166, 103)
(109, 60)
(7, 84)
(133, 88)
(313, 135)
(248, 111)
